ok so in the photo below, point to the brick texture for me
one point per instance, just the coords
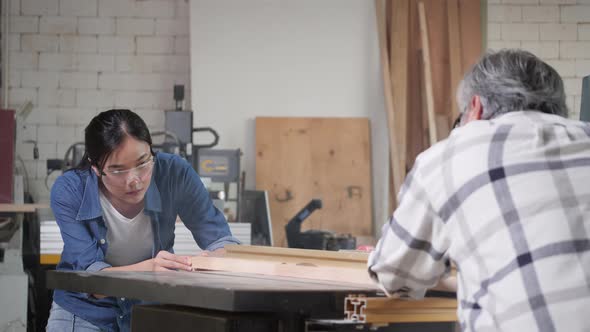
(75, 58)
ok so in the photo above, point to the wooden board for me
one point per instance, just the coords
(350, 259)
(471, 35)
(298, 159)
(440, 46)
(417, 132)
(381, 310)
(399, 52)
(455, 53)
(436, 22)
(301, 270)
(22, 207)
(397, 168)
(428, 84)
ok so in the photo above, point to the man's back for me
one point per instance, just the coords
(518, 233)
(508, 201)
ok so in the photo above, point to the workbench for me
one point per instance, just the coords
(236, 302)
(288, 300)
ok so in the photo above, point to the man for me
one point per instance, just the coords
(506, 198)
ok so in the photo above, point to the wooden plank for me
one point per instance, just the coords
(438, 47)
(298, 159)
(427, 74)
(22, 207)
(399, 52)
(443, 126)
(471, 36)
(353, 276)
(397, 168)
(388, 303)
(455, 50)
(377, 310)
(351, 259)
(418, 130)
(352, 256)
(422, 316)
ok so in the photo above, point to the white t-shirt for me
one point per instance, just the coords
(130, 240)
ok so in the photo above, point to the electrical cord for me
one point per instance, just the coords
(35, 148)
(26, 173)
(210, 130)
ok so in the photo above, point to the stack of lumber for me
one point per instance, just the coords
(426, 47)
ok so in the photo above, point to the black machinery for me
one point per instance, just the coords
(585, 102)
(315, 239)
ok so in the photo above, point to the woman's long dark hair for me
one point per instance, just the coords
(106, 132)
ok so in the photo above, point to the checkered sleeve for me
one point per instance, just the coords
(411, 254)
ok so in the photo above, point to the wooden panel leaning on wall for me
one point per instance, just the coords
(298, 159)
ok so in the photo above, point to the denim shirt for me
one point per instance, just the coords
(175, 190)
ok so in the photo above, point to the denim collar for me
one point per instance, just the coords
(90, 207)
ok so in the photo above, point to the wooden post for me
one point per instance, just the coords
(399, 52)
(427, 74)
(396, 166)
(454, 52)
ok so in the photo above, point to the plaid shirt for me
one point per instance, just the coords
(508, 201)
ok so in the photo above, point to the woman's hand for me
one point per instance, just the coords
(165, 261)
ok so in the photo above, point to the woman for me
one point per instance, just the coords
(116, 212)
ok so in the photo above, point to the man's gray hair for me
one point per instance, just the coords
(512, 80)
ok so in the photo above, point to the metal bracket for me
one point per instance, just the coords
(354, 308)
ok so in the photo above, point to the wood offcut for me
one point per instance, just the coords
(383, 310)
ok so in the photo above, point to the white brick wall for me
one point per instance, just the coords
(76, 58)
(56, 61)
(96, 25)
(558, 31)
(116, 44)
(78, 44)
(548, 14)
(155, 45)
(135, 26)
(35, 7)
(72, 8)
(584, 32)
(40, 43)
(58, 24)
(19, 24)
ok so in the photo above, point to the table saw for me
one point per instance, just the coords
(249, 295)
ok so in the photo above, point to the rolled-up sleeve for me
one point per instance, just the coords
(411, 254)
